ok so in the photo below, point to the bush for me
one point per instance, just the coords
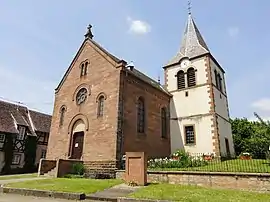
(180, 159)
(78, 169)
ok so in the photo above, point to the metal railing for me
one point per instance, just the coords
(245, 162)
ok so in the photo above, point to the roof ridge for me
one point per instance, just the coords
(34, 111)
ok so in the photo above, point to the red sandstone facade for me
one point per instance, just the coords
(83, 128)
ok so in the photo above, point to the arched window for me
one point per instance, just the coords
(84, 66)
(191, 77)
(216, 78)
(164, 122)
(219, 82)
(140, 115)
(82, 69)
(62, 115)
(181, 79)
(100, 109)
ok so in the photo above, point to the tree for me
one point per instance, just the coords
(8, 149)
(251, 136)
(30, 153)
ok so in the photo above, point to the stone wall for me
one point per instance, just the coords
(45, 166)
(151, 140)
(242, 181)
(64, 167)
(100, 169)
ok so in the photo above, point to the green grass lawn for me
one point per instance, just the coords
(195, 193)
(86, 186)
(9, 177)
(237, 165)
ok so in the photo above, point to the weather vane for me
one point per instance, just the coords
(189, 7)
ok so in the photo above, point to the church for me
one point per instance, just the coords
(105, 107)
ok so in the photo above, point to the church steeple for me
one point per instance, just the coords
(192, 44)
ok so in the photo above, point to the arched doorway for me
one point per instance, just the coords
(77, 140)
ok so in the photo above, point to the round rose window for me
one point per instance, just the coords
(81, 96)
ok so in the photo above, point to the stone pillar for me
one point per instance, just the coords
(136, 168)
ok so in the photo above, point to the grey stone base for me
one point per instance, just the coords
(100, 174)
(43, 193)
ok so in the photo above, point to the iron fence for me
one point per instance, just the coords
(245, 162)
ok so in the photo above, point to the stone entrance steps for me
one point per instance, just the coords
(51, 173)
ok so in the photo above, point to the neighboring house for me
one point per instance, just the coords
(20, 122)
(105, 107)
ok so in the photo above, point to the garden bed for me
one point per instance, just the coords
(182, 161)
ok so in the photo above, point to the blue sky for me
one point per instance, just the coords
(38, 40)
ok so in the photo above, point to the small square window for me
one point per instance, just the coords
(220, 96)
(186, 93)
(16, 159)
(2, 137)
(189, 135)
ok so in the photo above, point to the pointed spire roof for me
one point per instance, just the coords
(192, 44)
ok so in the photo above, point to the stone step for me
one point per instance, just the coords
(51, 172)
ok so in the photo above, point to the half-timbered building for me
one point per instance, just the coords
(18, 123)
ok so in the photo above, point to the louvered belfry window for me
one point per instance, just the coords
(191, 77)
(181, 79)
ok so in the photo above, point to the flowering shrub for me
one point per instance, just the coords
(245, 156)
(180, 159)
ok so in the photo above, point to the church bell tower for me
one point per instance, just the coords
(199, 108)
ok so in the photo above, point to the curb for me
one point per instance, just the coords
(100, 198)
(43, 193)
(70, 196)
(124, 199)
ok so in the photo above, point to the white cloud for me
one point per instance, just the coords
(138, 26)
(262, 104)
(233, 31)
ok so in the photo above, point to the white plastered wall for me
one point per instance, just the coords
(225, 131)
(221, 108)
(196, 104)
(203, 134)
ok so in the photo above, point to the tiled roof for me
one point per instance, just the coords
(41, 122)
(12, 115)
(192, 44)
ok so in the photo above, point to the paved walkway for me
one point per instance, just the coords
(116, 191)
(21, 180)
(19, 198)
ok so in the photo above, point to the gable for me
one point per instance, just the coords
(100, 50)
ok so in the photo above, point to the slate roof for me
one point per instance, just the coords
(192, 44)
(148, 80)
(12, 115)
